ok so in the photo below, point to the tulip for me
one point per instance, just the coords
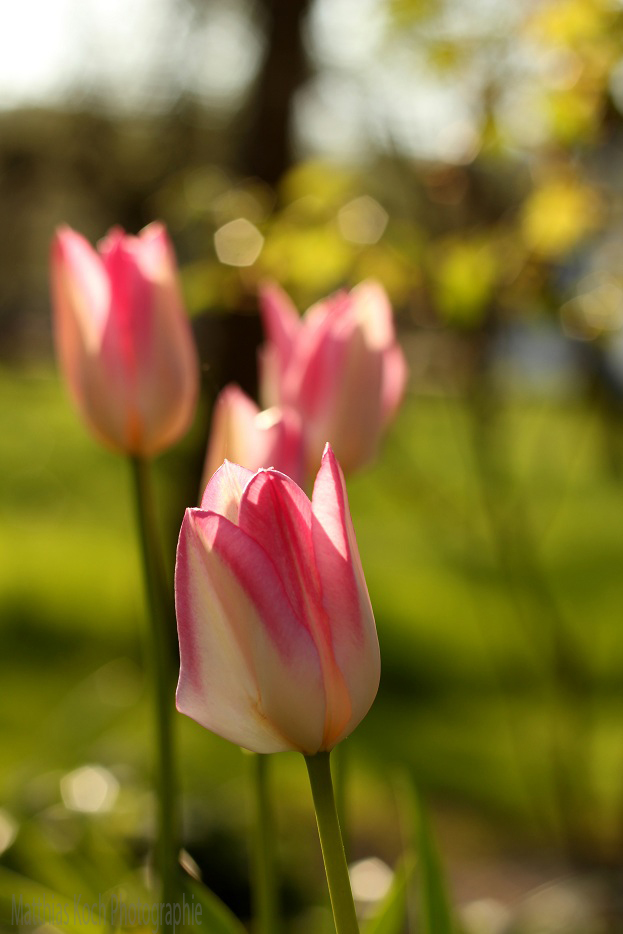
(123, 339)
(277, 638)
(339, 366)
(243, 434)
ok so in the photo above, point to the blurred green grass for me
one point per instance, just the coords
(482, 540)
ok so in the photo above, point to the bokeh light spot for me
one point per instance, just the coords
(238, 243)
(90, 789)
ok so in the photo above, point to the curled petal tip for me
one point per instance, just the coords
(328, 454)
(61, 231)
(154, 228)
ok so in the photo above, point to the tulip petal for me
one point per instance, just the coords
(128, 335)
(82, 286)
(168, 413)
(224, 490)
(374, 312)
(286, 452)
(308, 377)
(280, 319)
(340, 394)
(371, 307)
(150, 331)
(335, 376)
(249, 667)
(233, 425)
(343, 588)
(275, 512)
(339, 366)
(395, 376)
(243, 434)
(123, 338)
(81, 300)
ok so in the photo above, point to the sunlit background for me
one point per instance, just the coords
(470, 157)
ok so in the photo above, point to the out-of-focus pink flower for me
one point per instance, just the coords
(339, 366)
(243, 434)
(123, 339)
(277, 638)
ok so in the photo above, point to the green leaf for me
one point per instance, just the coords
(37, 903)
(216, 917)
(392, 912)
(435, 913)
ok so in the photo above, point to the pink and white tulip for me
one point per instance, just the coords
(339, 366)
(123, 339)
(243, 434)
(278, 643)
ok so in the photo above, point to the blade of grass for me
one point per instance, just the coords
(435, 914)
(17, 891)
(391, 914)
(216, 917)
(432, 912)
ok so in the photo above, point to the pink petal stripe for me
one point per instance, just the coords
(168, 371)
(311, 379)
(255, 573)
(332, 548)
(344, 591)
(280, 318)
(131, 322)
(275, 512)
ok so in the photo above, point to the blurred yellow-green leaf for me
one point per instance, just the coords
(558, 215)
(463, 274)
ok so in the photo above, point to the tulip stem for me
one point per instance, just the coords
(341, 772)
(264, 877)
(344, 916)
(162, 676)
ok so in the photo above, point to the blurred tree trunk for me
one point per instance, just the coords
(228, 341)
(265, 148)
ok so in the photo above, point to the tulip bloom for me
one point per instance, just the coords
(123, 339)
(339, 366)
(277, 638)
(243, 434)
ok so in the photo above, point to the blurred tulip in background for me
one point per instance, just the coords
(339, 366)
(123, 339)
(243, 434)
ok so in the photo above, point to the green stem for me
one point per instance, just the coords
(264, 876)
(341, 769)
(162, 676)
(344, 916)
